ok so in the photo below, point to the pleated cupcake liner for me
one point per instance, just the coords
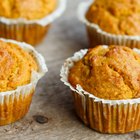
(32, 33)
(105, 116)
(29, 31)
(15, 104)
(97, 36)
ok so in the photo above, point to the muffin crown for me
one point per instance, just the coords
(119, 17)
(16, 66)
(28, 9)
(108, 73)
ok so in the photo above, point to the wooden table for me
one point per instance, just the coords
(53, 99)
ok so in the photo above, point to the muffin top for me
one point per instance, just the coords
(116, 16)
(16, 66)
(28, 9)
(108, 73)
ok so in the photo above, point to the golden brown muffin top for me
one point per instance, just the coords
(28, 9)
(108, 73)
(16, 66)
(116, 16)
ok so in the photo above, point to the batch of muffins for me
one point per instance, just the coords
(104, 79)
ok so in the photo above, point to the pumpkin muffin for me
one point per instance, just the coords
(121, 17)
(109, 73)
(28, 20)
(20, 69)
(111, 22)
(105, 82)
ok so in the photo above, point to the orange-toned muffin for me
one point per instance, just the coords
(28, 9)
(20, 69)
(121, 17)
(28, 20)
(15, 67)
(109, 73)
(105, 84)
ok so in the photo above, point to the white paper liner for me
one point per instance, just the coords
(25, 89)
(64, 73)
(44, 21)
(105, 37)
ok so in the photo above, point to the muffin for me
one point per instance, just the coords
(28, 20)
(18, 79)
(106, 87)
(112, 22)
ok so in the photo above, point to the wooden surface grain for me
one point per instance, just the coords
(52, 98)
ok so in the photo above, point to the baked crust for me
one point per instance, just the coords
(28, 9)
(109, 73)
(116, 16)
(16, 66)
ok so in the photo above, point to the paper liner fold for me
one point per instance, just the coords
(32, 33)
(99, 37)
(14, 104)
(106, 116)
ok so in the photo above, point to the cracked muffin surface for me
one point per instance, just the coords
(28, 9)
(116, 16)
(108, 73)
(16, 66)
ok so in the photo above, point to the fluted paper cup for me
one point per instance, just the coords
(99, 37)
(15, 104)
(105, 116)
(29, 31)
